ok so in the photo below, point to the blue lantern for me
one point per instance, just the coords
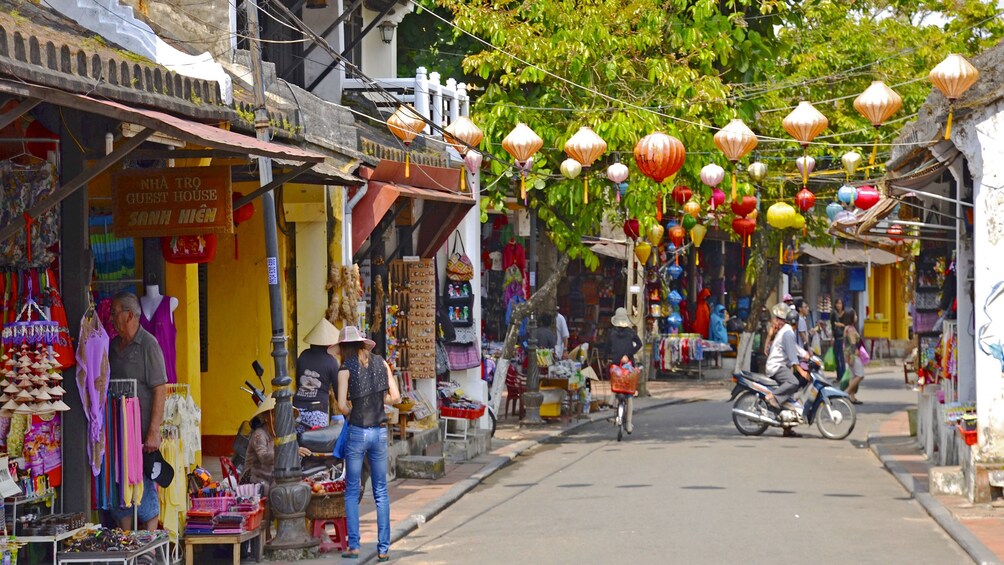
(674, 298)
(846, 194)
(832, 209)
(674, 271)
(622, 188)
(674, 320)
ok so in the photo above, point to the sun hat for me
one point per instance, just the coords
(324, 333)
(780, 310)
(620, 319)
(266, 405)
(351, 334)
(787, 298)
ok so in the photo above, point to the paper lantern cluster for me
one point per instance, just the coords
(32, 383)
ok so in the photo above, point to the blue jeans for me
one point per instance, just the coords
(149, 506)
(372, 443)
(838, 356)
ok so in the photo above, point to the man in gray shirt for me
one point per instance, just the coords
(135, 354)
(783, 358)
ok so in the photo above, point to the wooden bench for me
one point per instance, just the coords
(257, 545)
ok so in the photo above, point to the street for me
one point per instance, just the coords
(686, 487)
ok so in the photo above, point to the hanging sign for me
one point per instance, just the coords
(175, 201)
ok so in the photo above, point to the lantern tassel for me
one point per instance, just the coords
(28, 220)
(522, 186)
(407, 165)
(948, 124)
(697, 258)
(585, 190)
(805, 169)
(733, 184)
(463, 181)
(871, 160)
(780, 253)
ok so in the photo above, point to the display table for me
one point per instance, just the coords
(159, 549)
(54, 539)
(402, 423)
(573, 398)
(257, 547)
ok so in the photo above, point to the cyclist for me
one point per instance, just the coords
(622, 343)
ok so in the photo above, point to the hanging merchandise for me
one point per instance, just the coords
(92, 383)
(832, 209)
(953, 77)
(681, 194)
(846, 193)
(406, 123)
(805, 200)
(867, 196)
(522, 144)
(780, 215)
(570, 168)
(712, 175)
(744, 228)
(473, 161)
(642, 250)
(464, 136)
(735, 140)
(659, 156)
(676, 234)
(585, 147)
(617, 173)
(697, 234)
(120, 484)
(23, 187)
(877, 103)
(744, 206)
(805, 165)
(655, 234)
(692, 208)
(632, 228)
(114, 258)
(757, 171)
(850, 161)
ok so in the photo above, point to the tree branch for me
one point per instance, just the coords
(523, 310)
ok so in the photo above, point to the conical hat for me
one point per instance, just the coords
(60, 406)
(324, 333)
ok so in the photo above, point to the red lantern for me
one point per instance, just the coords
(245, 212)
(631, 228)
(867, 197)
(682, 194)
(805, 200)
(744, 227)
(895, 233)
(744, 206)
(188, 248)
(40, 149)
(676, 235)
(659, 156)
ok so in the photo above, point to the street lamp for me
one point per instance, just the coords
(387, 31)
(532, 398)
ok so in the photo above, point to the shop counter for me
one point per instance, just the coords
(257, 545)
(159, 549)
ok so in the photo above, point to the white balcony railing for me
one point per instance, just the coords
(439, 103)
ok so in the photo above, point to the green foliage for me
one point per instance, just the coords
(677, 65)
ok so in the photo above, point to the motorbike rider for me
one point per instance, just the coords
(783, 360)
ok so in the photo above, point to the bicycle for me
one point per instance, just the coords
(624, 384)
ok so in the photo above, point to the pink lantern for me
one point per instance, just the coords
(473, 161)
(617, 173)
(867, 197)
(712, 175)
(717, 198)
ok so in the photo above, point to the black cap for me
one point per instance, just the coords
(159, 471)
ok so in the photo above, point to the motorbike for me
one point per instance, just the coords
(825, 405)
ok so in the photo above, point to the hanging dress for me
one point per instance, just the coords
(92, 382)
(161, 326)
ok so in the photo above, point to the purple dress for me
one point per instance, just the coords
(162, 328)
(92, 382)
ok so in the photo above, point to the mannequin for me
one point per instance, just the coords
(159, 321)
(150, 301)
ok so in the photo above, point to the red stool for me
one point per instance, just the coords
(338, 542)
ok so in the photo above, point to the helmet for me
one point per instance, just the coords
(780, 310)
(791, 317)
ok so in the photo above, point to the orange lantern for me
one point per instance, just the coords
(953, 77)
(804, 123)
(659, 156)
(463, 135)
(585, 147)
(406, 123)
(522, 144)
(805, 200)
(877, 103)
(676, 235)
(735, 140)
(692, 208)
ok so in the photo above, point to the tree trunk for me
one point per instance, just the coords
(767, 279)
(523, 310)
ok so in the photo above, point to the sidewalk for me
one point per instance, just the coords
(415, 501)
(977, 528)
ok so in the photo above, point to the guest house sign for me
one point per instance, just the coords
(175, 201)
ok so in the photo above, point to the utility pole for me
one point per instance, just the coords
(532, 398)
(289, 495)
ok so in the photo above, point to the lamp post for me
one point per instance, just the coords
(532, 398)
(289, 495)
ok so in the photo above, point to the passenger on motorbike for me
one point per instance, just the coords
(783, 360)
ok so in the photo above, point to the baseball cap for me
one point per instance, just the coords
(159, 471)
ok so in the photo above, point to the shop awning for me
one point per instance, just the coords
(843, 256)
(444, 206)
(617, 250)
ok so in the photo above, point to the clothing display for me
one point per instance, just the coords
(92, 383)
(678, 349)
(161, 327)
(182, 414)
(120, 483)
(21, 187)
(142, 361)
(173, 498)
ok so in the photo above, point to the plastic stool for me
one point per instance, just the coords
(320, 529)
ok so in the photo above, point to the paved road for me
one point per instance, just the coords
(687, 488)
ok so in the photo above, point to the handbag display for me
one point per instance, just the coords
(461, 357)
(459, 266)
(442, 359)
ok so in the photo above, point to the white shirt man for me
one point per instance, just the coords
(561, 327)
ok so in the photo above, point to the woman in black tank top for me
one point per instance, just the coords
(366, 381)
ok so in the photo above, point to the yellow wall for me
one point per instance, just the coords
(304, 206)
(885, 300)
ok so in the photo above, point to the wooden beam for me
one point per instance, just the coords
(187, 154)
(276, 183)
(21, 109)
(17, 224)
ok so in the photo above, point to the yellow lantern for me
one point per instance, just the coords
(462, 135)
(406, 123)
(697, 234)
(735, 140)
(655, 234)
(585, 147)
(781, 215)
(522, 144)
(850, 161)
(642, 251)
(798, 222)
(877, 103)
(692, 208)
(953, 77)
(804, 123)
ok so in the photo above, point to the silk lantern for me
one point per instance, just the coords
(688, 222)
(617, 173)
(953, 77)
(757, 171)
(692, 208)
(798, 222)
(473, 161)
(642, 250)
(570, 168)
(522, 144)
(406, 123)
(805, 200)
(744, 206)
(659, 156)
(780, 215)
(895, 233)
(735, 140)
(867, 197)
(631, 228)
(712, 175)
(832, 209)
(697, 234)
(676, 234)
(805, 164)
(674, 297)
(850, 161)
(674, 271)
(674, 321)
(744, 228)
(877, 104)
(717, 198)
(240, 215)
(464, 136)
(804, 123)
(681, 194)
(846, 193)
(585, 147)
(655, 234)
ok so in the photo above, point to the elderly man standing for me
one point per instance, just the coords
(135, 354)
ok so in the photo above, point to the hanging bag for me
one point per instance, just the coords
(459, 266)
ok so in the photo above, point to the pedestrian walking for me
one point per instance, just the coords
(842, 317)
(853, 352)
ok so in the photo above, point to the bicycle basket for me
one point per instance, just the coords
(623, 381)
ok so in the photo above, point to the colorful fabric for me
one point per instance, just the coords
(161, 327)
(92, 382)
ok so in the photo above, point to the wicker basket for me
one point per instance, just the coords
(325, 506)
(624, 382)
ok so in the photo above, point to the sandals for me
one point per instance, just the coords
(351, 554)
(383, 558)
